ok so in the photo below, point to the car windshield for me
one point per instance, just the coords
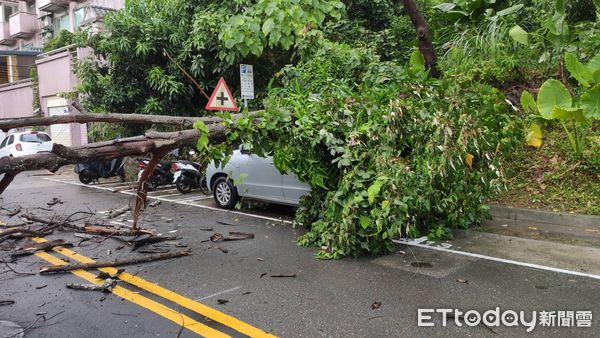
(37, 138)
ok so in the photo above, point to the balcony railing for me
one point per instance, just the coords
(53, 5)
(22, 25)
(5, 38)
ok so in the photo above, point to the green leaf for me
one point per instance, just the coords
(594, 66)
(201, 126)
(534, 136)
(578, 70)
(590, 102)
(553, 94)
(510, 10)
(417, 62)
(519, 34)
(528, 103)
(268, 26)
(562, 113)
(373, 190)
(202, 142)
(365, 222)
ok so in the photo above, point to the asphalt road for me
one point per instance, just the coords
(233, 293)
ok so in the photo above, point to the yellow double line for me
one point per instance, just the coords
(160, 309)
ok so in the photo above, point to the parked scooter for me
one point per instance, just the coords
(189, 176)
(93, 170)
(162, 174)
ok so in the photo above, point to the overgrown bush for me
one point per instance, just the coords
(386, 151)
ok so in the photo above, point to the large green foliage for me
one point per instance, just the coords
(207, 38)
(384, 149)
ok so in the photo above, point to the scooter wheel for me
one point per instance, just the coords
(204, 186)
(183, 187)
(84, 178)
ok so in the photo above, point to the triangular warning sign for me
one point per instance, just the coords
(221, 98)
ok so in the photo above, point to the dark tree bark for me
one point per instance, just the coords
(183, 122)
(425, 42)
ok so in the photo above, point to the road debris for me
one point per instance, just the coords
(106, 275)
(375, 305)
(223, 250)
(464, 281)
(285, 275)
(41, 287)
(222, 301)
(32, 248)
(105, 287)
(233, 236)
(118, 212)
(54, 202)
(154, 204)
(130, 261)
(6, 302)
(225, 223)
(262, 275)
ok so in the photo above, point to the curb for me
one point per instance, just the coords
(541, 216)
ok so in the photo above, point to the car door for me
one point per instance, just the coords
(293, 189)
(3, 148)
(259, 178)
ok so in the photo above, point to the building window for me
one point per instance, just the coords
(61, 23)
(6, 12)
(79, 15)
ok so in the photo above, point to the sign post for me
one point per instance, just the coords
(221, 98)
(247, 83)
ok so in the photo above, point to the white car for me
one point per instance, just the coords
(250, 176)
(26, 143)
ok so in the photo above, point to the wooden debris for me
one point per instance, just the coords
(118, 212)
(30, 249)
(106, 287)
(106, 275)
(131, 261)
(54, 202)
(155, 203)
(285, 275)
(23, 232)
(14, 212)
(233, 236)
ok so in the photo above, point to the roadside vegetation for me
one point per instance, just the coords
(348, 103)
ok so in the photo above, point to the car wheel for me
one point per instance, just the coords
(204, 186)
(85, 178)
(183, 187)
(225, 193)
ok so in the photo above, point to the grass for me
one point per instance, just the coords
(550, 178)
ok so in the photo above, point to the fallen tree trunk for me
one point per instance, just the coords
(184, 122)
(151, 142)
(131, 261)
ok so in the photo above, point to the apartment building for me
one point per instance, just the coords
(25, 26)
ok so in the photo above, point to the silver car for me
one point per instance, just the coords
(250, 176)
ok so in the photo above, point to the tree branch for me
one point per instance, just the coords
(422, 30)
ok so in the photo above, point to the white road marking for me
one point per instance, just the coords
(160, 198)
(497, 259)
(219, 293)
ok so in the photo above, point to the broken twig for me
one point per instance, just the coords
(131, 261)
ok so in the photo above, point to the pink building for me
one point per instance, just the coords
(24, 28)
